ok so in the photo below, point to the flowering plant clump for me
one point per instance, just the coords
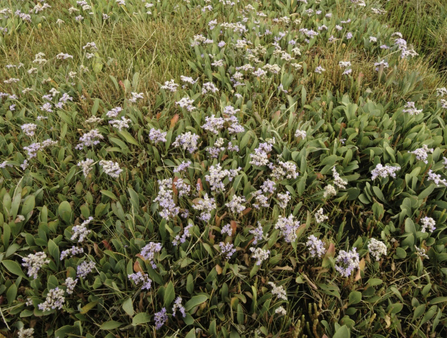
(282, 172)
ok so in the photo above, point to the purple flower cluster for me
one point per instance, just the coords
(80, 232)
(206, 205)
(227, 249)
(89, 139)
(183, 238)
(157, 135)
(85, 268)
(71, 252)
(288, 227)
(165, 199)
(187, 141)
(347, 262)
(139, 277)
(160, 318)
(384, 171)
(148, 252)
(178, 307)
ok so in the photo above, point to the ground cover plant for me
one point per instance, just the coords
(219, 168)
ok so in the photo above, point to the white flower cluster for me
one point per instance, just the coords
(235, 205)
(188, 141)
(217, 175)
(384, 171)
(338, 181)
(288, 227)
(55, 300)
(422, 153)
(329, 190)
(165, 199)
(315, 246)
(71, 284)
(29, 129)
(186, 102)
(111, 168)
(85, 268)
(80, 232)
(411, 109)
(206, 205)
(300, 133)
(260, 255)
(320, 217)
(120, 124)
(376, 248)
(86, 165)
(34, 262)
(436, 178)
(428, 222)
(89, 139)
(285, 170)
(278, 291)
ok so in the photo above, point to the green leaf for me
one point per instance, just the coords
(195, 301)
(13, 267)
(54, 251)
(355, 297)
(141, 318)
(190, 284)
(88, 307)
(11, 293)
(438, 300)
(169, 294)
(191, 334)
(65, 212)
(110, 325)
(28, 205)
(342, 332)
(128, 307)
(128, 138)
(109, 194)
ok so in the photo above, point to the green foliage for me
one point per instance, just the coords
(348, 126)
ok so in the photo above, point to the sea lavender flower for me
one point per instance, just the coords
(441, 91)
(285, 170)
(160, 319)
(260, 255)
(120, 124)
(376, 248)
(183, 238)
(428, 222)
(186, 102)
(182, 187)
(226, 229)
(157, 135)
(421, 252)
(74, 250)
(217, 175)
(170, 85)
(25, 333)
(320, 217)
(178, 307)
(283, 199)
(32, 149)
(188, 141)
(139, 277)
(436, 178)
(86, 165)
(422, 153)
(29, 129)
(315, 246)
(381, 65)
(260, 156)
(384, 171)
(80, 232)
(329, 190)
(338, 181)
(281, 311)
(111, 168)
(85, 268)
(227, 249)
(71, 284)
(278, 291)
(206, 205)
(258, 233)
(148, 252)
(55, 300)
(319, 70)
(288, 227)
(135, 97)
(89, 139)
(347, 262)
(165, 199)
(300, 133)
(411, 109)
(235, 205)
(114, 112)
(182, 167)
(34, 262)
(213, 124)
